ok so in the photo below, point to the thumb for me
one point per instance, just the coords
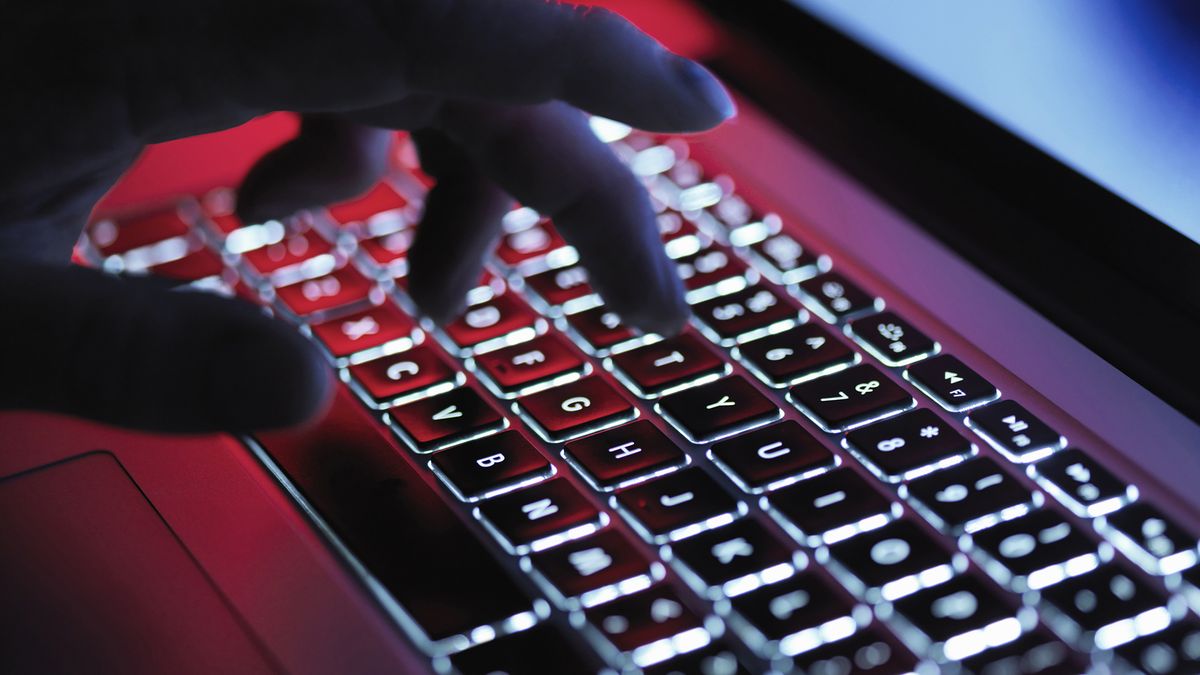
(131, 353)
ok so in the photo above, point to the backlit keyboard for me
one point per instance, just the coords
(801, 481)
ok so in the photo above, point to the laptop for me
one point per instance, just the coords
(935, 410)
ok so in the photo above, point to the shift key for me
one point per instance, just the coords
(397, 524)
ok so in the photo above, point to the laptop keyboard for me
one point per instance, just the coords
(800, 481)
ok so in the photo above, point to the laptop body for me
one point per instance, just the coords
(274, 553)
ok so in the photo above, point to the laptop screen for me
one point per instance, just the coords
(1107, 87)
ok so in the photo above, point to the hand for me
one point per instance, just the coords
(493, 88)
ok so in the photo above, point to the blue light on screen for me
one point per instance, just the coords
(1109, 87)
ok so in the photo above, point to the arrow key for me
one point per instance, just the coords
(718, 409)
(435, 422)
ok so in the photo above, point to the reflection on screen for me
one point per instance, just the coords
(1110, 88)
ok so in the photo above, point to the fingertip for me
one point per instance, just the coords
(706, 89)
(267, 379)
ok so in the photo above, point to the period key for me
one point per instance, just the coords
(624, 454)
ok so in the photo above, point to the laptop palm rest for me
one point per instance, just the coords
(93, 580)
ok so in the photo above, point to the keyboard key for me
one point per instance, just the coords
(397, 524)
(488, 466)
(542, 361)
(624, 454)
(780, 257)
(516, 248)
(368, 329)
(850, 398)
(675, 362)
(712, 271)
(600, 328)
(753, 311)
(833, 297)
(1035, 551)
(961, 618)
(648, 624)
(797, 354)
(560, 286)
(339, 290)
(711, 411)
(199, 264)
(734, 559)
(1097, 609)
(831, 507)
(893, 561)
(541, 516)
(1174, 650)
(795, 615)
(418, 371)
(711, 660)
(291, 252)
(672, 226)
(773, 456)
(589, 571)
(907, 446)
(441, 420)
(1035, 653)
(114, 236)
(869, 652)
(950, 383)
(538, 650)
(576, 408)
(389, 252)
(500, 321)
(970, 496)
(677, 505)
(891, 339)
(1150, 538)
(1082, 484)
(382, 200)
(1015, 432)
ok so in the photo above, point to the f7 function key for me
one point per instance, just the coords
(951, 384)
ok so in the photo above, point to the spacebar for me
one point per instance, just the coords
(353, 473)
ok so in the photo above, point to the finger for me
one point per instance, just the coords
(331, 159)
(339, 57)
(126, 352)
(547, 157)
(458, 228)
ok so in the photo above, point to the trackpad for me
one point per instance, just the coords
(92, 580)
